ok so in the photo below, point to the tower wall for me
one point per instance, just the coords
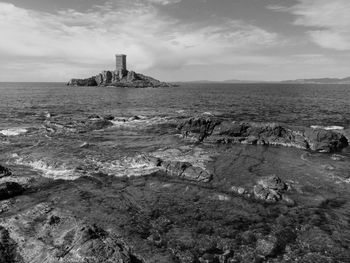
(120, 60)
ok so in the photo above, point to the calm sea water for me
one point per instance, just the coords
(26, 108)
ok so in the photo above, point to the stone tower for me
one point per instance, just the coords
(120, 60)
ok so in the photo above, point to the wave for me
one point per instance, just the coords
(137, 121)
(138, 165)
(328, 128)
(13, 131)
(48, 171)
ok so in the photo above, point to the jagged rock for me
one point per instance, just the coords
(10, 189)
(325, 140)
(109, 117)
(211, 129)
(186, 170)
(97, 124)
(8, 248)
(197, 127)
(83, 82)
(119, 78)
(273, 182)
(4, 171)
(270, 189)
(131, 76)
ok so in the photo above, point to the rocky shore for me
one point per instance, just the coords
(119, 78)
(229, 208)
(221, 131)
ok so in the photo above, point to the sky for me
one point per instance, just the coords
(175, 40)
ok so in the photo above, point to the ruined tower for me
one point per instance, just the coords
(120, 60)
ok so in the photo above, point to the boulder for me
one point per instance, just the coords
(10, 189)
(97, 124)
(197, 127)
(270, 189)
(325, 140)
(273, 182)
(214, 130)
(267, 246)
(186, 170)
(4, 172)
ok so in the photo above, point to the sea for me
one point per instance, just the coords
(63, 135)
(144, 121)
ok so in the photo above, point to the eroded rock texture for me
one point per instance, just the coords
(121, 78)
(211, 129)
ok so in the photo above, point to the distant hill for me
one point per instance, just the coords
(320, 81)
(296, 81)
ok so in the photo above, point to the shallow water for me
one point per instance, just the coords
(26, 107)
(46, 132)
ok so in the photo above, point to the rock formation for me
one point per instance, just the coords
(4, 171)
(211, 129)
(119, 78)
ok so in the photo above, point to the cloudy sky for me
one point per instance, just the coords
(54, 40)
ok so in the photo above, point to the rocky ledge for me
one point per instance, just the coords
(225, 131)
(119, 78)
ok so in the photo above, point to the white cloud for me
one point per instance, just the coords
(164, 2)
(73, 42)
(330, 20)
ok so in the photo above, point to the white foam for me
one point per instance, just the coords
(13, 131)
(48, 171)
(328, 128)
(128, 166)
(141, 121)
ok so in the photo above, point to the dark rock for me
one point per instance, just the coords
(8, 248)
(10, 189)
(132, 76)
(325, 140)
(82, 82)
(94, 116)
(105, 78)
(265, 194)
(109, 117)
(215, 130)
(121, 78)
(186, 170)
(270, 189)
(273, 182)
(133, 118)
(4, 171)
(198, 127)
(98, 124)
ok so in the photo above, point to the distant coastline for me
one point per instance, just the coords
(295, 81)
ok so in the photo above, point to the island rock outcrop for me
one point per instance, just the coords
(119, 78)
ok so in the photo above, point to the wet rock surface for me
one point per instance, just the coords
(10, 189)
(196, 203)
(164, 217)
(4, 171)
(222, 131)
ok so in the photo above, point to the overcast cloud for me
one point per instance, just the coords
(75, 40)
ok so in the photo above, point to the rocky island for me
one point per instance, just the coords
(120, 77)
